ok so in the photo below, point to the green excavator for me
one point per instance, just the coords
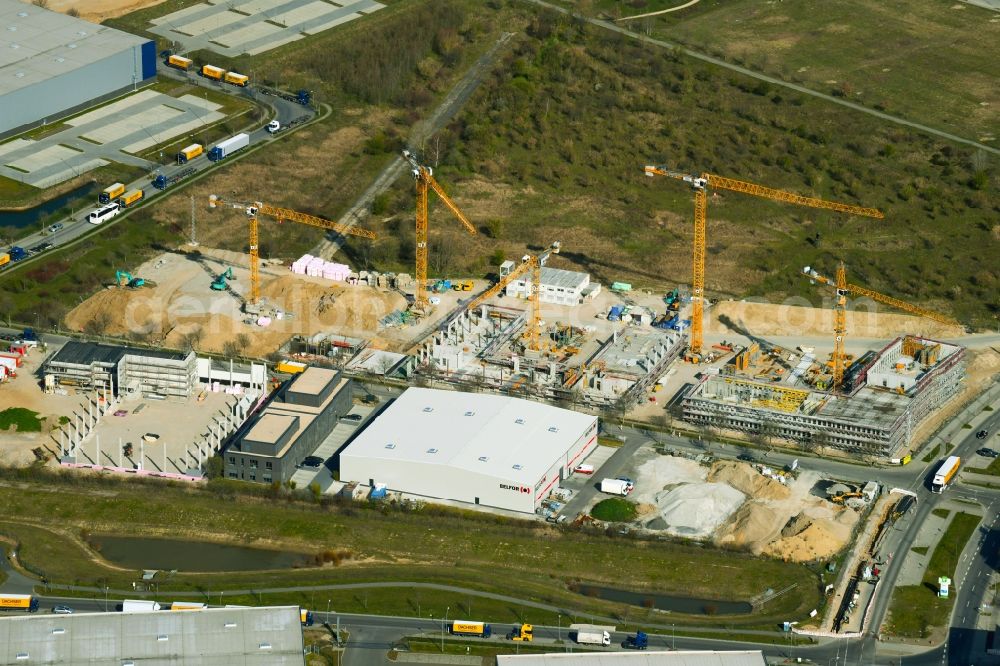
(220, 284)
(125, 279)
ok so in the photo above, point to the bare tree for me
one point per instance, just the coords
(40, 3)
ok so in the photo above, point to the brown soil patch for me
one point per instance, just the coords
(98, 10)
(747, 480)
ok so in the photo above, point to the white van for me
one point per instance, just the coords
(104, 213)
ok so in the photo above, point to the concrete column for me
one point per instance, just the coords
(97, 459)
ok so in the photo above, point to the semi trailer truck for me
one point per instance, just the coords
(179, 62)
(469, 628)
(111, 193)
(240, 80)
(19, 602)
(139, 606)
(189, 153)
(231, 145)
(588, 634)
(129, 198)
(212, 72)
(945, 473)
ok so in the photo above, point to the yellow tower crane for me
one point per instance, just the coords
(533, 334)
(424, 178)
(700, 184)
(840, 313)
(252, 210)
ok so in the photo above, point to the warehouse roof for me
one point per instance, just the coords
(557, 277)
(86, 353)
(674, 658)
(37, 44)
(251, 636)
(489, 434)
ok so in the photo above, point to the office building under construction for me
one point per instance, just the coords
(892, 392)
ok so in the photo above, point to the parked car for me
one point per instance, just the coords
(312, 462)
(987, 453)
(62, 610)
(745, 457)
(351, 417)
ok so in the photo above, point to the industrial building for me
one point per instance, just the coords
(122, 371)
(558, 286)
(892, 393)
(478, 448)
(270, 446)
(52, 64)
(650, 658)
(270, 636)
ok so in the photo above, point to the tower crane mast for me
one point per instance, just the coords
(700, 185)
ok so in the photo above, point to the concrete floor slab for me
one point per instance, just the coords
(178, 17)
(132, 123)
(168, 132)
(312, 10)
(199, 102)
(214, 24)
(331, 24)
(285, 38)
(51, 178)
(247, 34)
(42, 158)
(14, 146)
(120, 106)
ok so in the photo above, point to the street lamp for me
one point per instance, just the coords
(443, 620)
(328, 611)
(105, 598)
(559, 629)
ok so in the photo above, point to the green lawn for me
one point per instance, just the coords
(434, 544)
(614, 509)
(915, 609)
(21, 419)
(993, 469)
(941, 513)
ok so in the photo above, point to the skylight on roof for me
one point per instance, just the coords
(428, 409)
(470, 413)
(390, 446)
(553, 429)
(519, 421)
(432, 450)
(484, 458)
(518, 467)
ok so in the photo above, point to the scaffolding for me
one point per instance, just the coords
(766, 396)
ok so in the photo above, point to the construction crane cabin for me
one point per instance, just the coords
(700, 185)
(423, 176)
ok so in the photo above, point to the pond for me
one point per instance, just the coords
(64, 204)
(200, 556)
(666, 602)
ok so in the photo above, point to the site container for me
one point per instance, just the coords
(212, 72)
(237, 79)
(18, 359)
(180, 62)
(112, 192)
(229, 146)
(189, 153)
(129, 198)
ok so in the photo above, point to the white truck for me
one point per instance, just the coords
(619, 487)
(588, 634)
(139, 606)
(224, 149)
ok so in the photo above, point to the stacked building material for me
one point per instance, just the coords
(319, 267)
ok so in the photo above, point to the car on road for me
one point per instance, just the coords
(987, 453)
(312, 462)
(55, 227)
(982, 434)
(351, 417)
(62, 610)
(747, 457)
(41, 247)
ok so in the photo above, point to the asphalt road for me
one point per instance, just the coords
(76, 226)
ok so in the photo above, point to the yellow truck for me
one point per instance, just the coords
(129, 198)
(180, 62)
(4, 258)
(237, 79)
(19, 602)
(521, 632)
(111, 193)
(189, 153)
(212, 72)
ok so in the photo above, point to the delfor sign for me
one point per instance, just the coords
(516, 489)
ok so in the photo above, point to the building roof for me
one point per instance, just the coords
(313, 380)
(251, 636)
(674, 658)
(86, 353)
(37, 44)
(509, 438)
(271, 427)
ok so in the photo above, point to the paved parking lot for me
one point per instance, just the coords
(255, 26)
(342, 432)
(107, 134)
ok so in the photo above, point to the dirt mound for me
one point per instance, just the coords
(747, 480)
(117, 311)
(819, 532)
(696, 510)
(773, 319)
(329, 305)
(753, 526)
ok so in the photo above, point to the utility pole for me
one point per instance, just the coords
(194, 238)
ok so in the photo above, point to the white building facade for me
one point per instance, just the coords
(477, 448)
(558, 286)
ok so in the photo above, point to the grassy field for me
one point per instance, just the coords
(911, 58)
(434, 545)
(553, 148)
(993, 469)
(20, 419)
(614, 509)
(915, 609)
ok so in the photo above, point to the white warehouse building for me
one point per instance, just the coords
(558, 286)
(478, 448)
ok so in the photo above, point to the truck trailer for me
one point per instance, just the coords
(189, 153)
(470, 628)
(162, 182)
(212, 72)
(945, 473)
(180, 62)
(240, 80)
(129, 198)
(231, 145)
(588, 634)
(619, 487)
(139, 606)
(187, 606)
(111, 193)
(19, 602)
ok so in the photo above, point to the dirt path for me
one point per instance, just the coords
(661, 11)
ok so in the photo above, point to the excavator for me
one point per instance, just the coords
(125, 279)
(220, 283)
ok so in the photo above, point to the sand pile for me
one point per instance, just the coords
(755, 525)
(663, 471)
(807, 537)
(695, 510)
(773, 319)
(747, 480)
(331, 305)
